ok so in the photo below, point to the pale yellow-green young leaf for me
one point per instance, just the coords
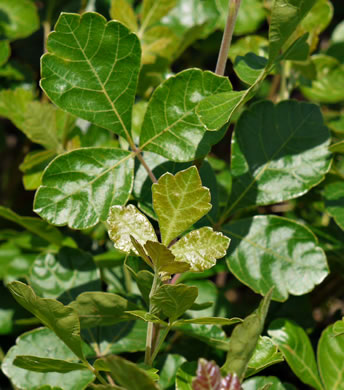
(128, 221)
(179, 201)
(141, 251)
(164, 260)
(159, 41)
(38, 121)
(122, 11)
(201, 248)
(153, 11)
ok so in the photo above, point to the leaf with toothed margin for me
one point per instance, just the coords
(179, 201)
(91, 70)
(79, 187)
(201, 248)
(129, 221)
(171, 126)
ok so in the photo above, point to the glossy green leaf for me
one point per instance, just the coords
(164, 260)
(179, 201)
(101, 309)
(184, 376)
(329, 82)
(331, 359)
(177, 133)
(62, 320)
(265, 383)
(244, 339)
(129, 221)
(296, 347)
(42, 364)
(216, 110)
(64, 275)
(122, 11)
(129, 375)
(201, 248)
(298, 50)
(249, 67)
(174, 300)
(266, 354)
(271, 251)
(46, 344)
(79, 187)
(101, 61)
(334, 201)
(285, 17)
(19, 19)
(34, 225)
(5, 51)
(286, 166)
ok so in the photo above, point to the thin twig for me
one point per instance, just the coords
(143, 162)
(233, 8)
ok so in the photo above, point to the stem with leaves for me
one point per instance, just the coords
(233, 9)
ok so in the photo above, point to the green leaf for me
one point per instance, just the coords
(216, 110)
(244, 339)
(201, 248)
(179, 201)
(266, 354)
(338, 327)
(331, 359)
(271, 251)
(174, 300)
(249, 67)
(286, 15)
(5, 52)
(34, 225)
(153, 11)
(40, 122)
(168, 371)
(120, 338)
(338, 147)
(252, 43)
(48, 346)
(164, 260)
(265, 383)
(128, 221)
(122, 11)
(129, 375)
(289, 164)
(297, 350)
(96, 63)
(329, 82)
(185, 375)
(177, 133)
(64, 275)
(146, 316)
(101, 309)
(334, 201)
(41, 364)
(79, 187)
(18, 20)
(62, 320)
(209, 321)
(33, 166)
